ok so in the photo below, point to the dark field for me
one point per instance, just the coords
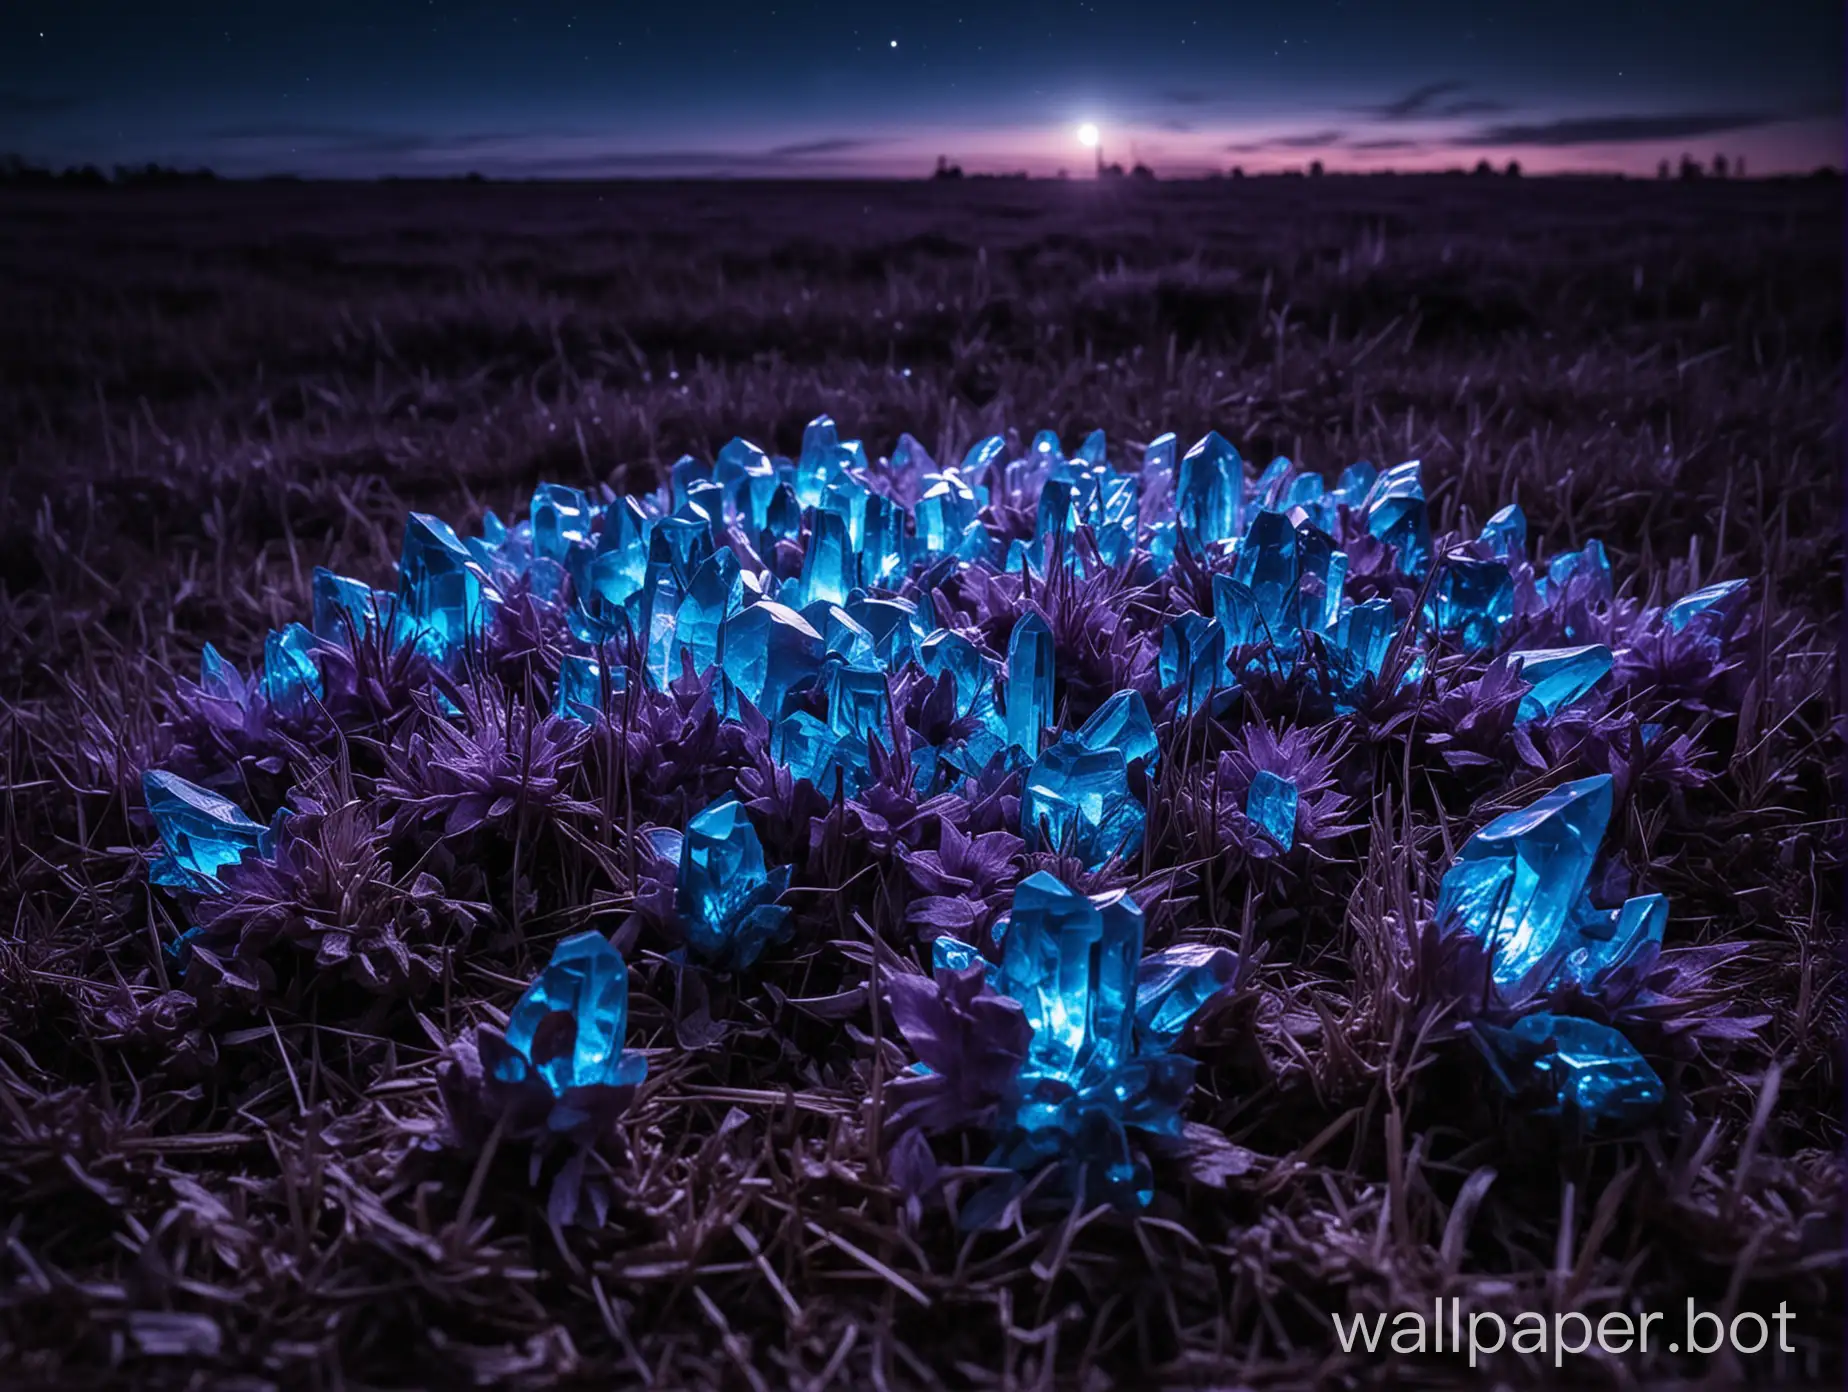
(206, 393)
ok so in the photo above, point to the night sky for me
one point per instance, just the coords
(687, 87)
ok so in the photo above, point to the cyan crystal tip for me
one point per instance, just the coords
(560, 516)
(768, 651)
(219, 677)
(858, 701)
(1505, 534)
(343, 609)
(1472, 600)
(1584, 1071)
(1071, 962)
(970, 670)
(582, 683)
(1608, 940)
(200, 832)
(1122, 723)
(725, 895)
(715, 592)
(1267, 566)
(1209, 491)
(1270, 805)
(1369, 629)
(1395, 514)
(1708, 599)
(1589, 566)
(1516, 882)
(568, 1025)
(1029, 682)
(1236, 609)
(953, 954)
(1193, 658)
(1077, 802)
(1558, 676)
(291, 676)
(1171, 988)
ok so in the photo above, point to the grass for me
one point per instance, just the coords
(205, 393)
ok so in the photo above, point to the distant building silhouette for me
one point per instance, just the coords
(946, 170)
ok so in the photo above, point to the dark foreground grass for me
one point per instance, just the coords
(203, 394)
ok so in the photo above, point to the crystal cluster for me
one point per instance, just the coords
(200, 833)
(1103, 1021)
(725, 895)
(568, 1026)
(1519, 887)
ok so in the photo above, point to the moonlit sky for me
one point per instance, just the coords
(445, 87)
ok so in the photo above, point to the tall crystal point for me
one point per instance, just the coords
(1558, 676)
(1267, 566)
(1395, 512)
(1077, 801)
(1711, 597)
(569, 1024)
(726, 898)
(1208, 492)
(1270, 805)
(441, 585)
(1515, 883)
(1029, 682)
(201, 832)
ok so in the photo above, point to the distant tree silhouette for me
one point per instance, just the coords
(1719, 166)
(1315, 169)
(1142, 171)
(1662, 170)
(1238, 171)
(1514, 169)
(946, 170)
(1690, 168)
(1484, 168)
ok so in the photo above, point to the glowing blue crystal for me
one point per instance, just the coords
(1268, 488)
(1355, 483)
(768, 651)
(442, 586)
(1267, 566)
(1369, 631)
(1473, 600)
(820, 462)
(1395, 513)
(1323, 574)
(1235, 608)
(1587, 1073)
(812, 750)
(568, 1026)
(1609, 939)
(1515, 883)
(749, 480)
(1122, 723)
(970, 671)
(1588, 568)
(291, 677)
(1506, 534)
(884, 554)
(560, 516)
(1058, 522)
(1118, 518)
(1077, 802)
(1710, 598)
(1193, 658)
(712, 597)
(661, 599)
(1208, 493)
(858, 702)
(783, 516)
(343, 609)
(888, 623)
(581, 687)
(1270, 805)
(944, 512)
(953, 954)
(725, 897)
(200, 832)
(1071, 962)
(842, 635)
(828, 570)
(1171, 987)
(1029, 682)
(1559, 676)
(219, 677)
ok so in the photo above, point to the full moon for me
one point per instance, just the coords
(1087, 136)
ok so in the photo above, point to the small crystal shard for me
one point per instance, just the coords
(970, 671)
(1581, 1070)
(1193, 658)
(1171, 987)
(1235, 608)
(1558, 676)
(769, 651)
(1471, 599)
(1707, 599)
(1267, 567)
(200, 831)
(291, 677)
(1208, 492)
(442, 586)
(581, 687)
(1515, 883)
(828, 570)
(725, 897)
(1609, 939)
(1323, 574)
(1505, 534)
(1270, 805)
(1588, 568)
(1122, 723)
(343, 609)
(1395, 513)
(219, 678)
(568, 1026)
(712, 597)
(858, 703)
(1029, 682)
(1077, 802)
(560, 516)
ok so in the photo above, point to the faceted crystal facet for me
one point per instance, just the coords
(1267, 567)
(343, 609)
(219, 677)
(1029, 682)
(442, 586)
(1208, 491)
(1558, 676)
(1515, 883)
(200, 832)
(1193, 658)
(1395, 512)
(1323, 574)
(1171, 987)
(1471, 599)
(858, 702)
(1608, 939)
(1270, 805)
(1122, 723)
(726, 897)
(1709, 598)
(770, 650)
(1236, 609)
(1584, 1070)
(569, 1023)
(560, 516)
(1506, 534)
(970, 671)
(291, 677)
(1588, 569)
(1370, 629)
(714, 594)
(581, 683)
(1071, 962)
(1077, 801)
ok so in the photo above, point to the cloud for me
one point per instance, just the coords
(1310, 140)
(1618, 130)
(1472, 106)
(33, 104)
(835, 145)
(1179, 127)
(1387, 144)
(359, 140)
(1428, 103)
(1186, 96)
